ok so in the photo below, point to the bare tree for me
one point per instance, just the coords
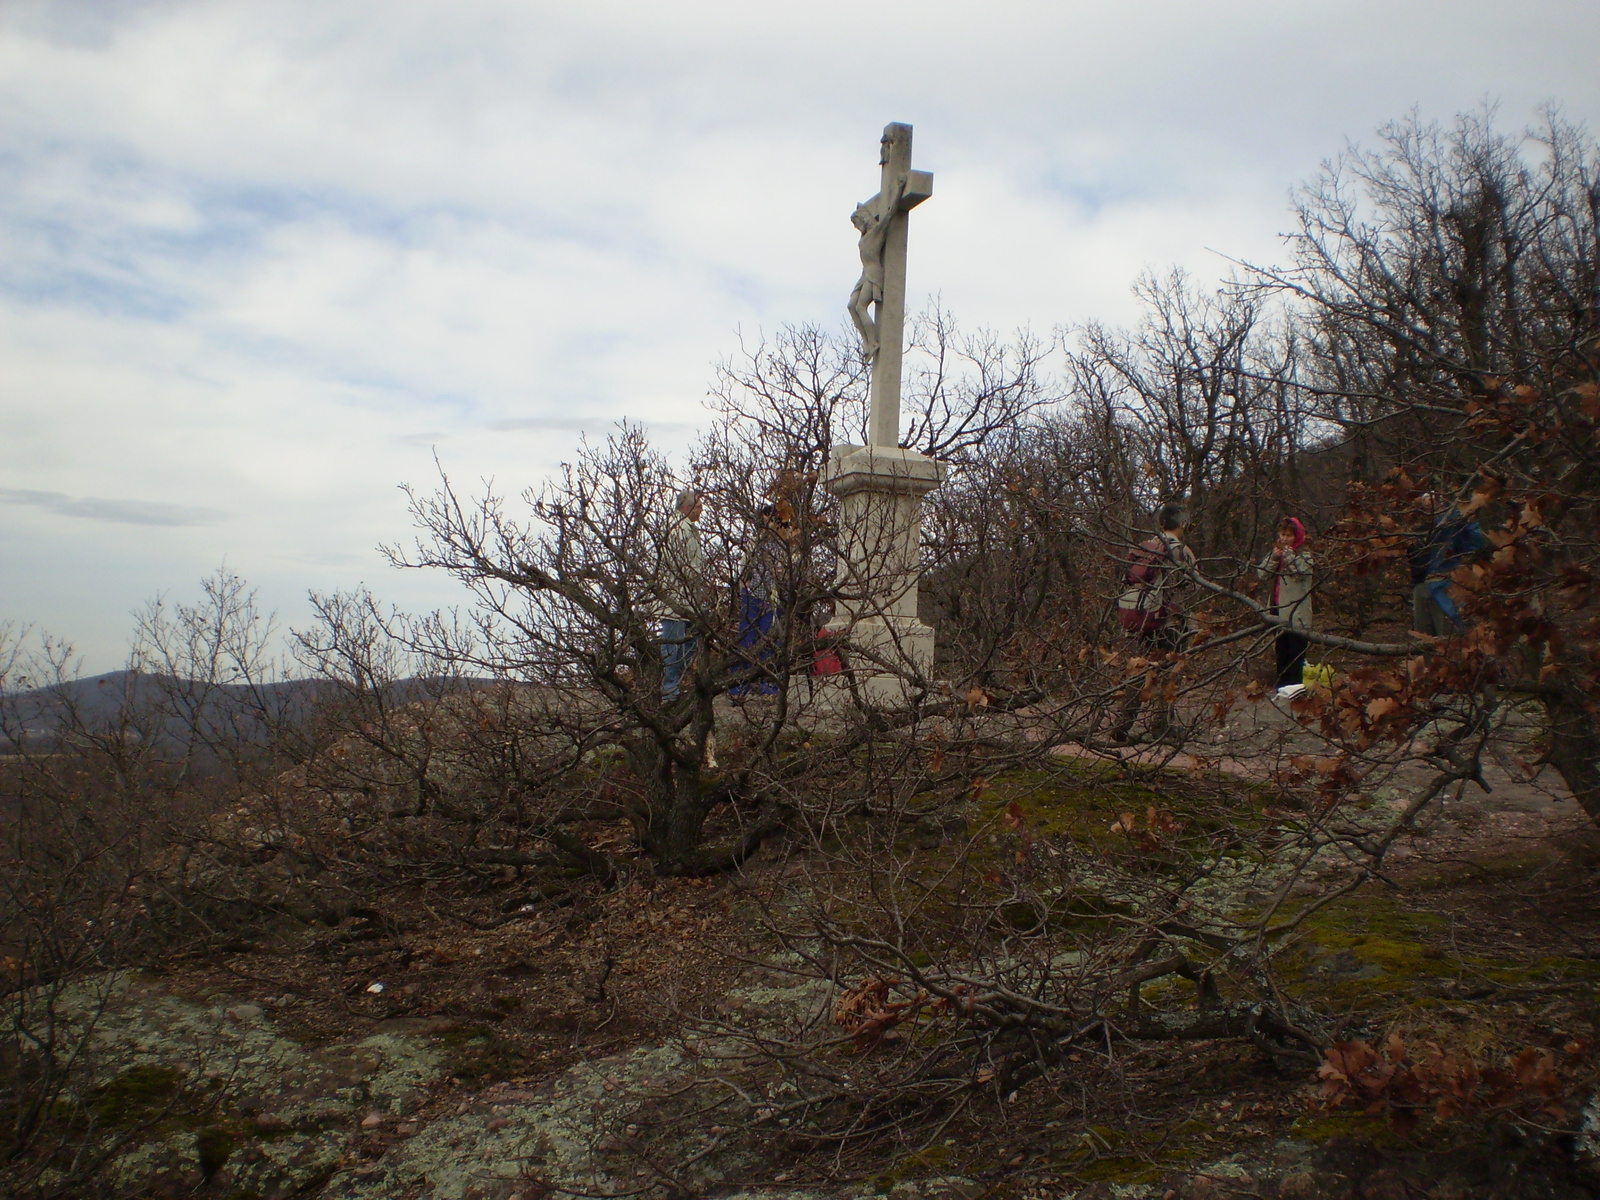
(1453, 278)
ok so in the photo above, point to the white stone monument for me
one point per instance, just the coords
(880, 486)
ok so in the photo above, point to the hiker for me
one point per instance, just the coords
(1442, 544)
(1289, 567)
(1149, 611)
(825, 657)
(759, 596)
(681, 582)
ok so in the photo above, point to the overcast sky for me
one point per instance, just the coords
(260, 258)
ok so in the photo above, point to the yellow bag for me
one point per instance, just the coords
(1317, 675)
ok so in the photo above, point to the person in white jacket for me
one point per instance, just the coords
(681, 579)
(1288, 565)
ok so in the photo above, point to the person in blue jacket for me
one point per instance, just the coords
(759, 602)
(1442, 545)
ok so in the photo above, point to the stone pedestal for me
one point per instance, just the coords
(880, 490)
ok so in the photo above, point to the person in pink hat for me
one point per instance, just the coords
(1288, 565)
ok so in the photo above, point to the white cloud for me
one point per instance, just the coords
(259, 260)
(117, 512)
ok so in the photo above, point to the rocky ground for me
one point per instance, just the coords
(590, 1051)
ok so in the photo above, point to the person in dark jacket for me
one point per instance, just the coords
(759, 596)
(1442, 545)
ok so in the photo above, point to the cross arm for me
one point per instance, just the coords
(919, 186)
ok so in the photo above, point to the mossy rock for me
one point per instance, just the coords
(1544, 969)
(1022, 916)
(137, 1095)
(214, 1145)
(1318, 1128)
(1372, 948)
(1371, 930)
(931, 1158)
(476, 1054)
(1077, 912)
(1082, 803)
(1125, 1170)
(1100, 1154)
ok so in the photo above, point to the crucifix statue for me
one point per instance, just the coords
(878, 303)
(880, 486)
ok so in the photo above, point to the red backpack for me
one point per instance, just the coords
(1144, 572)
(1144, 564)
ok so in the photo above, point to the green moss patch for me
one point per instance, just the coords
(136, 1096)
(214, 1145)
(1324, 1127)
(1101, 1154)
(1085, 804)
(476, 1054)
(1365, 949)
(1370, 949)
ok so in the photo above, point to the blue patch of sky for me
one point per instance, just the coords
(123, 510)
(462, 407)
(363, 387)
(417, 226)
(1091, 197)
(89, 249)
(86, 26)
(83, 289)
(749, 290)
(597, 344)
(72, 248)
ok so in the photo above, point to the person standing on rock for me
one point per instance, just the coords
(1288, 565)
(1157, 574)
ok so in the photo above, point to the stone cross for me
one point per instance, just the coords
(878, 304)
(880, 486)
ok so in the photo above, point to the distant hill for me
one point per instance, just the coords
(163, 706)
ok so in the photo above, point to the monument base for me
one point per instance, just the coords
(883, 657)
(880, 490)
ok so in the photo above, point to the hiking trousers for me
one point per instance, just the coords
(1168, 639)
(1291, 657)
(1427, 616)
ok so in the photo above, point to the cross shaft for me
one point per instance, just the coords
(901, 189)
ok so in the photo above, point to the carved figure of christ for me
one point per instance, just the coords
(878, 303)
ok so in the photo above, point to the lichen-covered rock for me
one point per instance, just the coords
(571, 1132)
(215, 1095)
(1586, 1145)
(276, 1168)
(1314, 1185)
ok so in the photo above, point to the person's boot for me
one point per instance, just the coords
(1167, 731)
(1122, 732)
